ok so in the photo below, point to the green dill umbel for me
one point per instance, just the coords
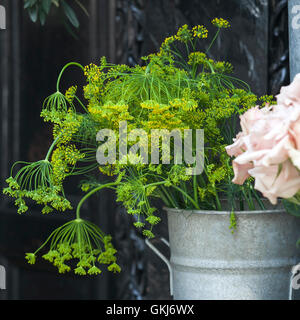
(179, 87)
(80, 241)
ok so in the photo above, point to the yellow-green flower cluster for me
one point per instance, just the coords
(184, 34)
(184, 104)
(197, 58)
(223, 67)
(72, 155)
(110, 115)
(70, 94)
(168, 41)
(267, 100)
(220, 23)
(95, 87)
(67, 128)
(200, 32)
(49, 196)
(55, 107)
(79, 240)
(63, 158)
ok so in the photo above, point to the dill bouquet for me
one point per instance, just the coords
(179, 88)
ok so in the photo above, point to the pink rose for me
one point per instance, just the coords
(268, 147)
(272, 185)
(238, 147)
(241, 172)
(249, 118)
(266, 140)
(290, 95)
(295, 157)
(295, 132)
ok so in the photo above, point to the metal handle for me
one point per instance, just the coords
(165, 260)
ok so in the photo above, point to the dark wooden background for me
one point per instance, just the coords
(31, 57)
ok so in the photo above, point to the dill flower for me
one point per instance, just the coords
(167, 42)
(78, 240)
(139, 224)
(30, 257)
(94, 270)
(220, 23)
(184, 34)
(67, 128)
(149, 234)
(80, 271)
(115, 268)
(197, 58)
(55, 107)
(85, 187)
(200, 32)
(35, 181)
(153, 220)
(70, 94)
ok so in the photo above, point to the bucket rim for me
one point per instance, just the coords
(224, 212)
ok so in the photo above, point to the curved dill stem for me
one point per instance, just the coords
(81, 171)
(51, 235)
(81, 104)
(51, 148)
(213, 40)
(184, 193)
(237, 80)
(15, 164)
(63, 69)
(102, 186)
(91, 232)
(169, 196)
(187, 196)
(96, 231)
(210, 67)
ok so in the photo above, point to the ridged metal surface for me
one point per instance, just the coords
(294, 37)
(253, 263)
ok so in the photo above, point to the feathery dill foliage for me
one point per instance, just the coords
(179, 87)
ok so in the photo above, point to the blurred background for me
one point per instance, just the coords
(31, 57)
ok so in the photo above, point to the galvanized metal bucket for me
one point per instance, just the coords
(208, 262)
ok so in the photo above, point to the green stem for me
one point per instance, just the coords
(63, 69)
(213, 40)
(246, 197)
(155, 184)
(218, 202)
(170, 197)
(91, 193)
(82, 105)
(211, 67)
(195, 187)
(187, 196)
(185, 192)
(180, 190)
(262, 206)
(52, 147)
(51, 235)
